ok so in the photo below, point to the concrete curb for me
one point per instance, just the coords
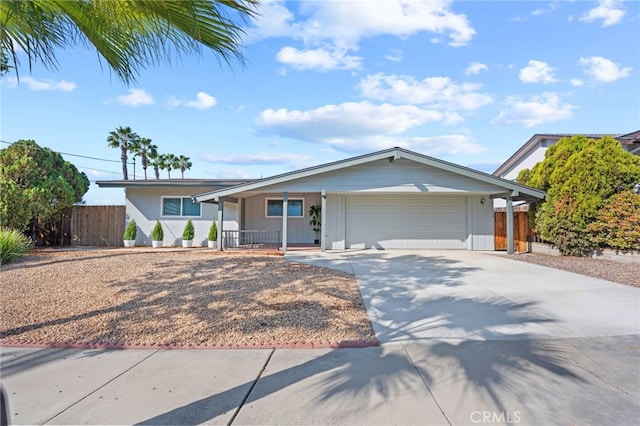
(272, 345)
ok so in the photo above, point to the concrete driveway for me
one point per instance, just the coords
(426, 296)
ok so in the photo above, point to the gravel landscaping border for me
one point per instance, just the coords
(178, 299)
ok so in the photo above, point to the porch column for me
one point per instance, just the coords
(510, 248)
(220, 224)
(285, 220)
(323, 217)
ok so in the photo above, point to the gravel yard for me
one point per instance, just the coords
(190, 297)
(617, 272)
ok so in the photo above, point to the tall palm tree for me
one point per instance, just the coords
(169, 162)
(129, 36)
(121, 138)
(154, 159)
(141, 148)
(134, 148)
(183, 164)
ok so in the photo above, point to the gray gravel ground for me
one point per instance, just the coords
(617, 272)
(163, 297)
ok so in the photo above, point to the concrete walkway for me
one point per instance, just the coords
(468, 339)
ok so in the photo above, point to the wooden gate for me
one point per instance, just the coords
(520, 230)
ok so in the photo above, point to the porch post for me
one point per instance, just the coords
(510, 248)
(285, 220)
(220, 224)
(323, 218)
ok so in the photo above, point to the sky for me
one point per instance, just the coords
(467, 82)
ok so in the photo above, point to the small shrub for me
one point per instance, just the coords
(188, 232)
(158, 233)
(213, 231)
(132, 230)
(13, 245)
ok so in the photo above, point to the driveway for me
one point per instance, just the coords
(426, 296)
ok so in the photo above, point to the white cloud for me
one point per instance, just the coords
(576, 82)
(540, 11)
(319, 59)
(395, 55)
(237, 173)
(436, 92)
(42, 85)
(474, 68)
(545, 108)
(609, 11)
(435, 146)
(348, 121)
(602, 69)
(264, 158)
(537, 72)
(333, 28)
(202, 101)
(135, 97)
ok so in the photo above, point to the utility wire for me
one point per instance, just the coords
(73, 155)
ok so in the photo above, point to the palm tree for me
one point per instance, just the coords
(183, 164)
(129, 36)
(142, 147)
(154, 159)
(121, 138)
(169, 162)
(134, 148)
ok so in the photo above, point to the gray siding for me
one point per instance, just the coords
(299, 231)
(402, 176)
(145, 206)
(481, 223)
(335, 237)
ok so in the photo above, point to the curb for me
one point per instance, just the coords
(273, 345)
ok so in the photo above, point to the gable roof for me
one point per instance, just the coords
(519, 191)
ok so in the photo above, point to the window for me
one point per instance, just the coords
(294, 209)
(180, 206)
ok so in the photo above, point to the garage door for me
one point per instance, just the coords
(388, 222)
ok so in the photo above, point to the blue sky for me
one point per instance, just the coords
(467, 82)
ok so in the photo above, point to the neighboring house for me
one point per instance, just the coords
(170, 201)
(532, 152)
(388, 199)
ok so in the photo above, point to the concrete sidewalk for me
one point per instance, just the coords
(529, 382)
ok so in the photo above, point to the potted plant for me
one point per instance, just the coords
(187, 234)
(157, 235)
(314, 214)
(213, 235)
(130, 234)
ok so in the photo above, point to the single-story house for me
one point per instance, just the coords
(532, 152)
(388, 199)
(171, 202)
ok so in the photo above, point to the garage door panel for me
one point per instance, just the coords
(406, 222)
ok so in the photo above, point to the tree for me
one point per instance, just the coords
(122, 138)
(145, 147)
(36, 186)
(155, 159)
(183, 164)
(169, 162)
(580, 175)
(129, 36)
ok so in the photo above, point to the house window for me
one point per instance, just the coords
(294, 208)
(180, 206)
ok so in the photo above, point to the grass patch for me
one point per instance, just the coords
(13, 245)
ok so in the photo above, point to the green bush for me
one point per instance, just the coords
(213, 231)
(158, 233)
(132, 231)
(13, 245)
(618, 224)
(188, 232)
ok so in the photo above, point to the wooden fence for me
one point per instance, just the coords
(521, 231)
(97, 225)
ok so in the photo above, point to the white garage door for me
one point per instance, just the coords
(406, 222)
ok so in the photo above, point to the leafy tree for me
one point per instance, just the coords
(123, 138)
(579, 175)
(128, 35)
(183, 164)
(36, 186)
